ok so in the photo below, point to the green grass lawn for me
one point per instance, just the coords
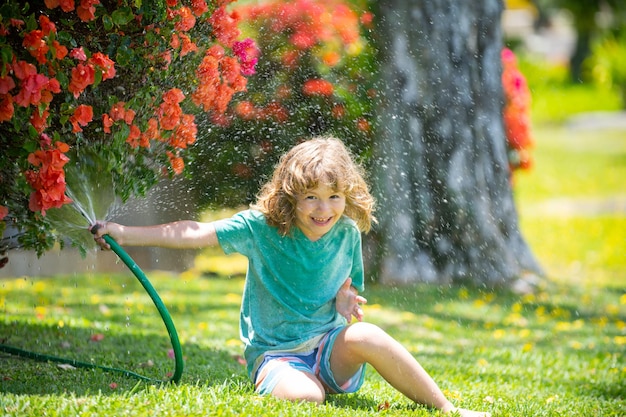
(558, 352)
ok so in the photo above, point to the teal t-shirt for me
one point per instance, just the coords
(291, 282)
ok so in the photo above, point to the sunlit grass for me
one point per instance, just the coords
(557, 352)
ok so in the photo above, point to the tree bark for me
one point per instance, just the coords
(442, 179)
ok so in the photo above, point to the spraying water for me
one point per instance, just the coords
(90, 185)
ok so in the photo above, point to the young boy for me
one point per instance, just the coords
(305, 269)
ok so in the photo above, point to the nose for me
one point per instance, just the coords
(323, 205)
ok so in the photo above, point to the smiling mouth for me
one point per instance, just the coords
(321, 221)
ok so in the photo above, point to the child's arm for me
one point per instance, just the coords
(186, 234)
(348, 301)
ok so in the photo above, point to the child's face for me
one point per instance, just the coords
(318, 210)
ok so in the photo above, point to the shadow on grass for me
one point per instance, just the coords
(146, 355)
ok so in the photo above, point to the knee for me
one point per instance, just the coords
(307, 388)
(365, 333)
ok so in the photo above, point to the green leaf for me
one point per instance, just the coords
(6, 56)
(124, 56)
(107, 22)
(122, 16)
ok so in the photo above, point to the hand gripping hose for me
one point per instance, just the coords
(167, 320)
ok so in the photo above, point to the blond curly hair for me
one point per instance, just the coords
(322, 160)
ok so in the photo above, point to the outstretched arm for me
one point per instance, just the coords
(348, 301)
(186, 234)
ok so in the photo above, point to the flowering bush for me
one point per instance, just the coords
(315, 77)
(124, 79)
(517, 122)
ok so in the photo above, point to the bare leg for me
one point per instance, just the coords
(366, 343)
(299, 386)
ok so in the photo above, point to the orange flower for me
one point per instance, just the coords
(39, 121)
(118, 111)
(104, 64)
(107, 122)
(174, 95)
(6, 108)
(134, 136)
(82, 77)
(225, 26)
(199, 7)
(152, 131)
(129, 116)
(81, 117)
(60, 50)
(331, 58)
(277, 111)
(36, 46)
(188, 45)
(169, 115)
(6, 84)
(86, 10)
(47, 26)
(176, 162)
(246, 110)
(187, 20)
(317, 87)
(48, 180)
(185, 133)
(31, 90)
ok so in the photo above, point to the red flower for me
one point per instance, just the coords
(199, 7)
(225, 26)
(6, 84)
(60, 50)
(185, 133)
(48, 181)
(134, 136)
(170, 112)
(246, 110)
(79, 54)
(31, 90)
(516, 113)
(104, 64)
(6, 108)
(66, 5)
(174, 95)
(36, 46)
(86, 10)
(39, 121)
(82, 77)
(186, 19)
(118, 111)
(3, 212)
(317, 87)
(188, 45)
(46, 25)
(81, 117)
(177, 163)
(107, 122)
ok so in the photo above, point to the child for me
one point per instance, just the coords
(305, 268)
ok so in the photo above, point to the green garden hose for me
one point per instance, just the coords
(167, 320)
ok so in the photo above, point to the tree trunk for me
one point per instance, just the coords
(446, 209)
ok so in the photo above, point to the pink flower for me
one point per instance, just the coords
(248, 53)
